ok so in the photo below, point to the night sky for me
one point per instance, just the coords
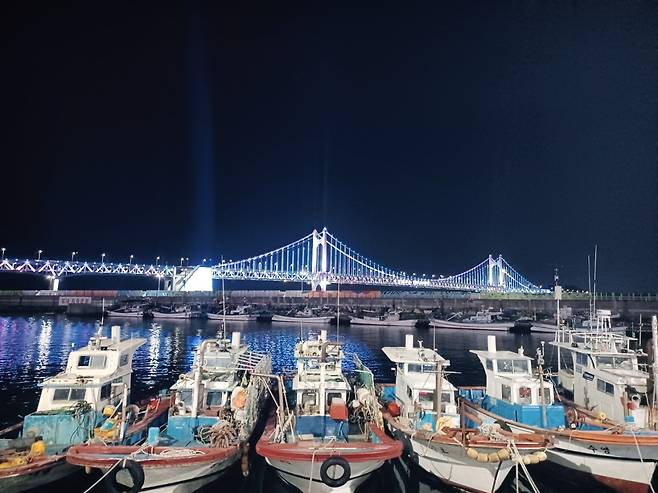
(424, 137)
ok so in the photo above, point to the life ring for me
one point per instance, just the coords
(336, 463)
(136, 475)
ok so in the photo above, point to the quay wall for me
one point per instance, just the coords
(81, 302)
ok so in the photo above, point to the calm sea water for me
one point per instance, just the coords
(35, 347)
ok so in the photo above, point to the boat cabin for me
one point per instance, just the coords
(602, 372)
(218, 362)
(416, 384)
(320, 389)
(99, 373)
(514, 392)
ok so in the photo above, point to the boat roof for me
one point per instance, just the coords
(414, 355)
(500, 355)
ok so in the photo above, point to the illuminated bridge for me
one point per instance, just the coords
(319, 259)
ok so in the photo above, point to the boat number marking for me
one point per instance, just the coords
(605, 450)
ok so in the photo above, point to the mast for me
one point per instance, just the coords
(223, 308)
(558, 297)
(596, 249)
(338, 312)
(438, 390)
(542, 401)
(654, 366)
(589, 289)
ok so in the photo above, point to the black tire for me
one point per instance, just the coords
(335, 462)
(136, 474)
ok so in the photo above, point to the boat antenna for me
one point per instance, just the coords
(223, 307)
(100, 327)
(596, 249)
(589, 289)
(338, 313)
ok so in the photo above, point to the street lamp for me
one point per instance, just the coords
(3, 252)
(187, 260)
(181, 261)
(157, 261)
(73, 254)
(39, 252)
(102, 258)
(131, 259)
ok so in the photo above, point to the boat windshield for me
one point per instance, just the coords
(416, 368)
(623, 362)
(513, 366)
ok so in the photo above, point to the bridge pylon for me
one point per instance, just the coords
(319, 260)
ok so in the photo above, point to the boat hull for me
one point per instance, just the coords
(166, 469)
(383, 323)
(246, 317)
(35, 474)
(181, 315)
(111, 313)
(306, 320)
(447, 324)
(623, 463)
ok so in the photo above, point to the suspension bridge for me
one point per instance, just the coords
(319, 259)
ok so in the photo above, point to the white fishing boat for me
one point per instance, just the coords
(88, 400)
(423, 414)
(320, 443)
(307, 316)
(127, 312)
(603, 434)
(243, 313)
(216, 408)
(390, 319)
(173, 312)
(482, 320)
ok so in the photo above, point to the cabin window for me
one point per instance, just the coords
(333, 395)
(525, 395)
(106, 391)
(215, 398)
(414, 368)
(91, 361)
(512, 366)
(69, 394)
(123, 361)
(446, 397)
(605, 387)
(309, 398)
(426, 396)
(581, 359)
(506, 392)
(548, 397)
(186, 397)
(614, 362)
(489, 364)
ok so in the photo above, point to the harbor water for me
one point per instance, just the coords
(35, 347)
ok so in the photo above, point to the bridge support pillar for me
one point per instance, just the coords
(319, 260)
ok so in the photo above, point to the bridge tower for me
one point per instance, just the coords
(319, 260)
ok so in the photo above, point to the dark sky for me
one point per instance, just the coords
(424, 137)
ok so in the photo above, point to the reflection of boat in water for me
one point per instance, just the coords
(321, 443)
(421, 411)
(242, 313)
(482, 320)
(391, 319)
(217, 406)
(173, 312)
(87, 400)
(127, 312)
(307, 316)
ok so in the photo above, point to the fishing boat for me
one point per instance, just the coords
(422, 412)
(330, 436)
(215, 410)
(88, 400)
(307, 316)
(127, 312)
(390, 319)
(482, 320)
(172, 312)
(603, 433)
(243, 313)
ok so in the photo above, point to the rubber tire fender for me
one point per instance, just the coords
(337, 482)
(136, 473)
